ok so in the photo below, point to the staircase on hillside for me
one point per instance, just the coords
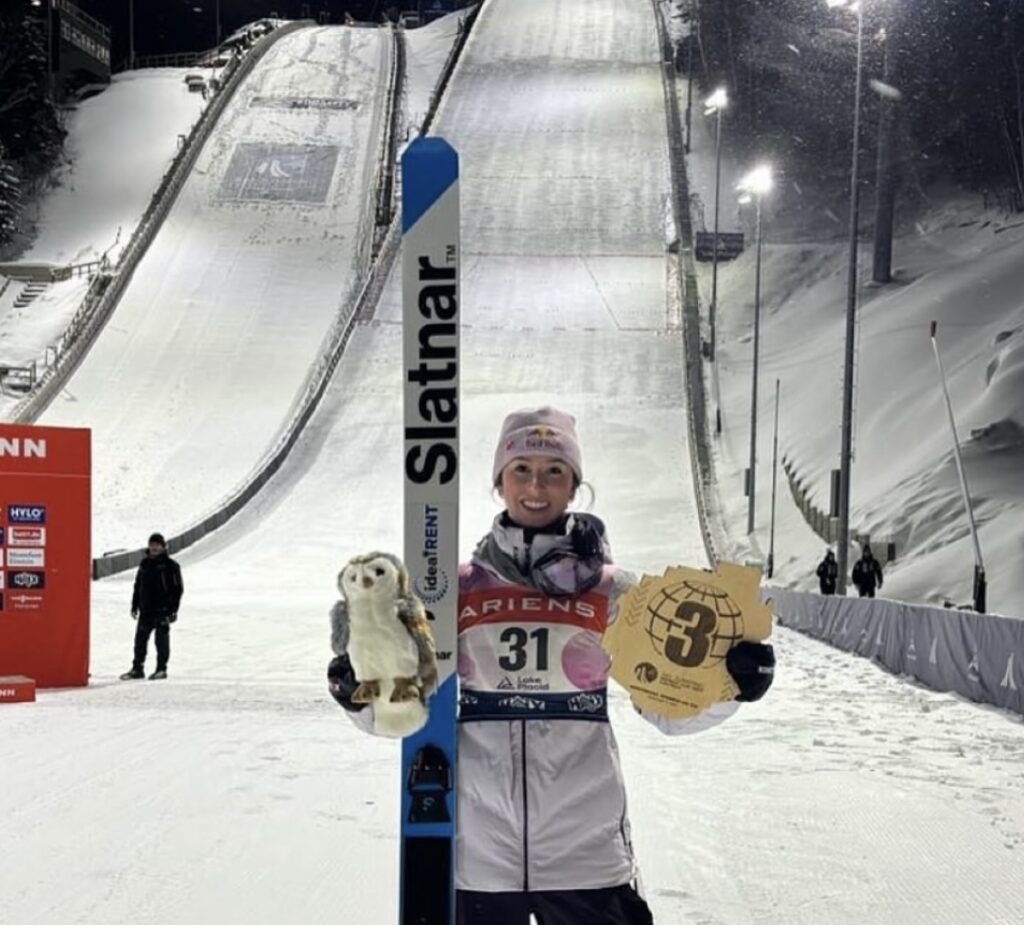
(29, 294)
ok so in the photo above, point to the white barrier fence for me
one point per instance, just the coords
(980, 656)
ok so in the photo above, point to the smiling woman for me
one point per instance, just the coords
(540, 590)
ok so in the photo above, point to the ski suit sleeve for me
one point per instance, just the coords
(708, 718)
(341, 679)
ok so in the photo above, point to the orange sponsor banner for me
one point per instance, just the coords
(45, 538)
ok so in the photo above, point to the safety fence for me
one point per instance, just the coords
(826, 526)
(979, 656)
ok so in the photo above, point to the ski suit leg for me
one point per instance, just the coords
(472, 908)
(619, 905)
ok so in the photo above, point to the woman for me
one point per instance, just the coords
(541, 804)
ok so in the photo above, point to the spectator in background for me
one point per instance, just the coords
(867, 573)
(828, 573)
(155, 601)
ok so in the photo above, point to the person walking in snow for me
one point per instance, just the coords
(155, 602)
(867, 574)
(533, 840)
(828, 573)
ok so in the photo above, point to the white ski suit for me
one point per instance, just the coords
(541, 803)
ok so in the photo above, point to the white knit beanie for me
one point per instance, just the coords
(538, 432)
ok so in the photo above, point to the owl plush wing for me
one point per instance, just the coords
(410, 612)
(339, 628)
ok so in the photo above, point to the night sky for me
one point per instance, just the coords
(164, 26)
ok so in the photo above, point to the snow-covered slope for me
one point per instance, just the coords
(959, 265)
(119, 145)
(197, 369)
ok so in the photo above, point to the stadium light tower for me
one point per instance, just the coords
(846, 447)
(753, 188)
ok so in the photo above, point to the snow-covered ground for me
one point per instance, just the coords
(237, 792)
(958, 265)
(119, 145)
(208, 349)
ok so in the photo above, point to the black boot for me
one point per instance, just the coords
(135, 674)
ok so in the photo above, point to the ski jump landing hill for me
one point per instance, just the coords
(198, 368)
(566, 293)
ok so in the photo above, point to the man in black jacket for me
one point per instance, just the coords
(828, 573)
(867, 574)
(155, 601)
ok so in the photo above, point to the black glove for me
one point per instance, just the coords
(135, 613)
(752, 666)
(171, 618)
(585, 537)
(342, 683)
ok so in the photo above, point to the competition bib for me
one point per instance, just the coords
(523, 655)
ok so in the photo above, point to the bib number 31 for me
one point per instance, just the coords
(518, 641)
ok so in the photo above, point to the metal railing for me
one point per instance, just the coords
(106, 288)
(68, 7)
(696, 401)
(389, 146)
(181, 59)
(825, 526)
(448, 70)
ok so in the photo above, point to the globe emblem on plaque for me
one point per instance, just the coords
(693, 624)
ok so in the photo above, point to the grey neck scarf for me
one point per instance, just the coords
(564, 563)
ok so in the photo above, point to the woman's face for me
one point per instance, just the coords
(536, 489)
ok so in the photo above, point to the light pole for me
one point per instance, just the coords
(131, 35)
(775, 474)
(846, 449)
(754, 186)
(689, 78)
(980, 584)
(714, 105)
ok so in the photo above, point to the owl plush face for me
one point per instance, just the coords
(375, 575)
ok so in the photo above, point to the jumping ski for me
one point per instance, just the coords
(430, 295)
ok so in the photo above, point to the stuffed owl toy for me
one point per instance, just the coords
(382, 627)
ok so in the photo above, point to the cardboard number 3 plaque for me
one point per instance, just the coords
(669, 643)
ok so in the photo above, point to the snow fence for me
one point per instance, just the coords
(980, 656)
